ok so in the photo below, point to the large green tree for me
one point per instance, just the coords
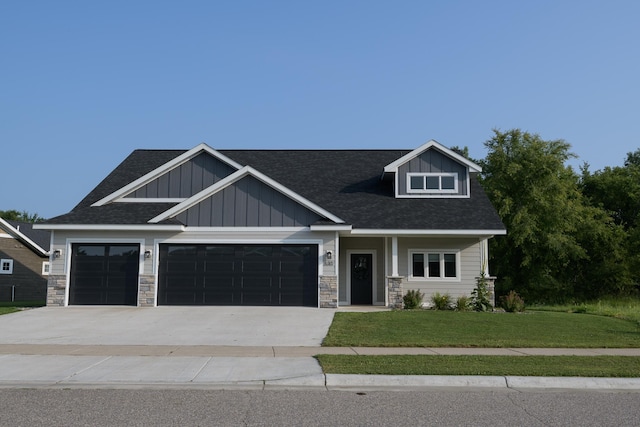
(553, 236)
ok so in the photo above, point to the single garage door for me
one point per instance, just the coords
(238, 275)
(104, 274)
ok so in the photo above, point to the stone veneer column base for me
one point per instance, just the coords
(146, 290)
(328, 292)
(394, 286)
(56, 290)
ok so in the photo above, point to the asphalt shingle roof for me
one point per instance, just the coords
(346, 183)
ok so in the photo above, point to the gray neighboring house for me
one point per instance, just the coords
(318, 228)
(24, 261)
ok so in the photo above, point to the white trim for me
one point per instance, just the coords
(46, 268)
(150, 200)
(9, 262)
(441, 253)
(394, 256)
(112, 227)
(17, 234)
(336, 268)
(441, 233)
(374, 270)
(426, 191)
(234, 177)
(331, 227)
(393, 166)
(161, 170)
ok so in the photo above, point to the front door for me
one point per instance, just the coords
(361, 278)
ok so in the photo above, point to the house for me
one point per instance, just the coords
(24, 261)
(319, 228)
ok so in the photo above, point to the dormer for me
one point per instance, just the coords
(431, 171)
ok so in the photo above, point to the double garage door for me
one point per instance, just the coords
(238, 275)
(198, 274)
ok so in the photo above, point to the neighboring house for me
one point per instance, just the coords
(24, 261)
(320, 228)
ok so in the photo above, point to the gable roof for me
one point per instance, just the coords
(393, 166)
(38, 241)
(344, 185)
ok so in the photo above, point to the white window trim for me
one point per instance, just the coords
(440, 175)
(441, 253)
(46, 268)
(2, 263)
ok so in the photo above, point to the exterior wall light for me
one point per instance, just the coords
(57, 253)
(147, 254)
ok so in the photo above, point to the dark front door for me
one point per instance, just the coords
(104, 274)
(238, 275)
(361, 278)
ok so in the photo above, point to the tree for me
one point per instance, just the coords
(546, 254)
(14, 215)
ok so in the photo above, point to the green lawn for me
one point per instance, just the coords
(428, 328)
(553, 366)
(7, 310)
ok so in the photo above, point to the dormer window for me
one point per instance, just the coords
(432, 182)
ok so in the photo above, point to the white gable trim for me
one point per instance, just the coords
(234, 177)
(159, 171)
(16, 234)
(393, 166)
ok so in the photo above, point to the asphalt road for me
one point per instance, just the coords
(192, 407)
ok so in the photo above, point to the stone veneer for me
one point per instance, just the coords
(147, 290)
(328, 292)
(394, 284)
(56, 289)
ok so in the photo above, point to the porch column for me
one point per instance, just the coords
(394, 256)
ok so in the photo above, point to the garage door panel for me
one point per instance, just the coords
(243, 274)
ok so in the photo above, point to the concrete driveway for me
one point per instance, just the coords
(188, 326)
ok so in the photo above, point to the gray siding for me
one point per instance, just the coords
(432, 161)
(187, 179)
(248, 203)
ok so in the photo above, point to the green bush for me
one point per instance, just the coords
(480, 295)
(413, 299)
(463, 303)
(441, 302)
(512, 302)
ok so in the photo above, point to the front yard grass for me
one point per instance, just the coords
(552, 366)
(428, 328)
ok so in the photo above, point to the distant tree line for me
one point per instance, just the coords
(570, 236)
(24, 216)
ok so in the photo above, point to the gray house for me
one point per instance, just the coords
(24, 261)
(319, 228)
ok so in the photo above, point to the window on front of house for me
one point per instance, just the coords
(432, 183)
(434, 265)
(45, 268)
(6, 266)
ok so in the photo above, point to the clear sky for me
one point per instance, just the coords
(84, 83)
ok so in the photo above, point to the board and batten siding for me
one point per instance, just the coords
(187, 179)
(248, 203)
(470, 266)
(432, 161)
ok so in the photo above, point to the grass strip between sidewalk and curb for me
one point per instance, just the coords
(430, 328)
(544, 366)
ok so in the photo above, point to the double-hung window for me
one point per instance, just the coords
(433, 264)
(6, 266)
(432, 182)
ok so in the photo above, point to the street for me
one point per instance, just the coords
(193, 407)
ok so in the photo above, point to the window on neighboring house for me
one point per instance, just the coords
(6, 266)
(432, 183)
(45, 268)
(433, 264)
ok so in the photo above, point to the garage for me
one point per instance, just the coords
(200, 274)
(104, 274)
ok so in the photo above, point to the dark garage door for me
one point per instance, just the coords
(238, 275)
(104, 274)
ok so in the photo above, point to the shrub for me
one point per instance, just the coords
(413, 299)
(512, 302)
(441, 302)
(463, 303)
(480, 295)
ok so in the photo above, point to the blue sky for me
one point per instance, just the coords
(84, 83)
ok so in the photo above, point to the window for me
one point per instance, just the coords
(433, 264)
(6, 266)
(45, 268)
(432, 183)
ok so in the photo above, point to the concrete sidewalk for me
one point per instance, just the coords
(261, 368)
